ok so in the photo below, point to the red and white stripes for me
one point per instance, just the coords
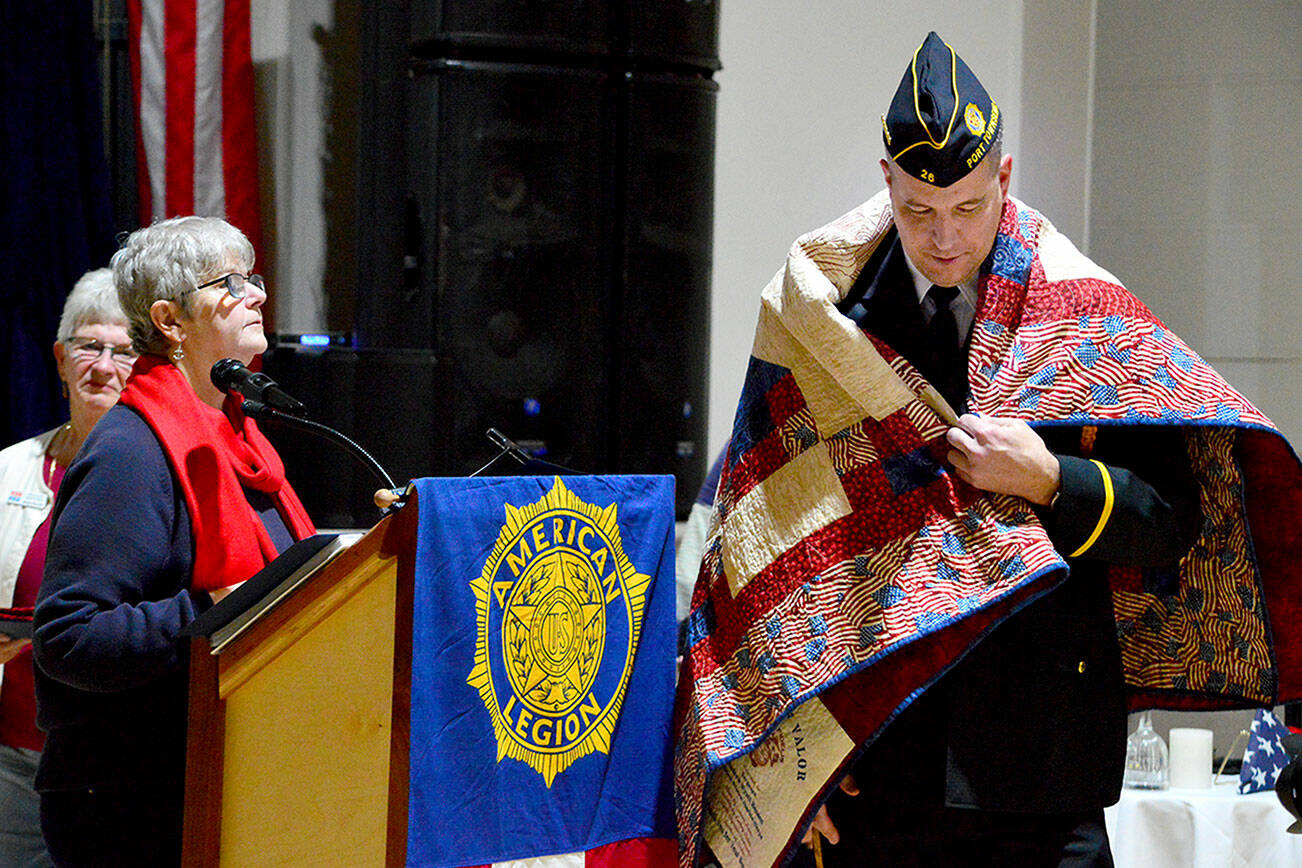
(196, 138)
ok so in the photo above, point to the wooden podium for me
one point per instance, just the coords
(298, 729)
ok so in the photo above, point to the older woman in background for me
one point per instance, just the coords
(174, 497)
(94, 356)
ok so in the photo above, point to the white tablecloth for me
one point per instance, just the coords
(1216, 828)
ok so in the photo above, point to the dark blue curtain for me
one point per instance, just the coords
(55, 215)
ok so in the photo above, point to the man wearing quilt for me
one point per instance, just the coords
(976, 500)
(1020, 746)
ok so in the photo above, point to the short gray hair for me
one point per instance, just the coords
(996, 152)
(167, 260)
(93, 300)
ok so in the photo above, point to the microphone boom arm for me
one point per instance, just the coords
(259, 410)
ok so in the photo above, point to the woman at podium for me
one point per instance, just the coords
(174, 497)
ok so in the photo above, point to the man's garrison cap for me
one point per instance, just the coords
(941, 122)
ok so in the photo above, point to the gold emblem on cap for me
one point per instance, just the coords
(976, 124)
(886, 131)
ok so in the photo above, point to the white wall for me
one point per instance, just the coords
(801, 94)
(1196, 180)
(1053, 164)
(291, 137)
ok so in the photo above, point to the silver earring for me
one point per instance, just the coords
(178, 353)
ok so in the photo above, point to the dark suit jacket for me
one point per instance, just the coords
(1033, 718)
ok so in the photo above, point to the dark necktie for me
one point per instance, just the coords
(948, 370)
(942, 330)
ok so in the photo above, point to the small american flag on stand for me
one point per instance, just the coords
(1264, 756)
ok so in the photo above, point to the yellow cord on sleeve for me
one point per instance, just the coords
(1103, 516)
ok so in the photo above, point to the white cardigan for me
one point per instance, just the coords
(27, 501)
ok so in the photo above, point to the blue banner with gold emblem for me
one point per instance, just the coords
(542, 667)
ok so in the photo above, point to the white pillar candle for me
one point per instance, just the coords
(1191, 758)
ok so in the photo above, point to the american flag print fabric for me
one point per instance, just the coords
(846, 568)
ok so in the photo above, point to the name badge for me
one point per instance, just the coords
(28, 499)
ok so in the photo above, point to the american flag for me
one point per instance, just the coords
(1264, 757)
(196, 139)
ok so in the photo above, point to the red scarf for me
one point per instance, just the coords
(214, 455)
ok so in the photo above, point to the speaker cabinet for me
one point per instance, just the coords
(667, 198)
(541, 223)
(682, 32)
(388, 307)
(385, 400)
(570, 26)
(676, 32)
(511, 172)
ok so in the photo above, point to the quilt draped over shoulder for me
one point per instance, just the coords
(846, 568)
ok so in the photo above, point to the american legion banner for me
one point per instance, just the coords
(543, 655)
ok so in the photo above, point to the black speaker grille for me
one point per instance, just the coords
(386, 400)
(519, 251)
(664, 323)
(544, 226)
(580, 26)
(678, 31)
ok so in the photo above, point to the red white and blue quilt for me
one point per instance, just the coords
(846, 568)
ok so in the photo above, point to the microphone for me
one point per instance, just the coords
(230, 375)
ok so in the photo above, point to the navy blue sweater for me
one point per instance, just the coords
(111, 665)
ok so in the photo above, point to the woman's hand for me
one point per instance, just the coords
(11, 647)
(219, 594)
